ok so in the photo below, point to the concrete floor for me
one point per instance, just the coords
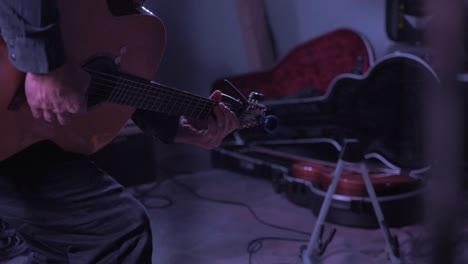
(197, 231)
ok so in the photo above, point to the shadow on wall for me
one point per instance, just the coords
(294, 22)
(204, 42)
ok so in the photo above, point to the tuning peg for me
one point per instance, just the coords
(269, 123)
(254, 96)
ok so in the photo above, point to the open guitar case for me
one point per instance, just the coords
(335, 73)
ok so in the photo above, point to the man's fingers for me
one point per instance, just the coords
(36, 112)
(220, 115)
(63, 118)
(78, 108)
(232, 121)
(216, 96)
(48, 116)
(212, 126)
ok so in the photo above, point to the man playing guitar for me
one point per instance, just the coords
(56, 206)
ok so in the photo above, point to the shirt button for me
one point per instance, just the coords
(13, 56)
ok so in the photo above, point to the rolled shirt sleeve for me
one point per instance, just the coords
(31, 30)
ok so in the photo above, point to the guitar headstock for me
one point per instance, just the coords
(250, 111)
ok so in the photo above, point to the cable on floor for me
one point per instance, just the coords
(188, 188)
(255, 245)
(151, 201)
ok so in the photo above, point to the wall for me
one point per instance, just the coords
(204, 42)
(204, 39)
(297, 21)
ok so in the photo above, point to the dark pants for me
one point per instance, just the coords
(60, 208)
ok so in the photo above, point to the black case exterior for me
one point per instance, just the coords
(363, 109)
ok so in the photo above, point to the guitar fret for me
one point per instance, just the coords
(155, 107)
(179, 103)
(201, 110)
(203, 115)
(120, 94)
(124, 92)
(185, 105)
(193, 106)
(164, 104)
(172, 101)
(127, 94)
(133, 97)
(114, 91)
(147, 99)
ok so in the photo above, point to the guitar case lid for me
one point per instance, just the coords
(383, 108)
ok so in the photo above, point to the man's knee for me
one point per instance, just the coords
(143, 223)
(138, 219)
(130, 240)
(140, 231)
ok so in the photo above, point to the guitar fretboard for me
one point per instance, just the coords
(152, 96)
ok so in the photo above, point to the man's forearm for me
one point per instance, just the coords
(31, 29)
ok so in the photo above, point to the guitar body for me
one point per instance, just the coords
(320, 173)
(88, 28)
(351, 182)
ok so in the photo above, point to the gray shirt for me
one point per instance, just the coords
(31, 30)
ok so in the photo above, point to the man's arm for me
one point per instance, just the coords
(207, 134)
(31, 30)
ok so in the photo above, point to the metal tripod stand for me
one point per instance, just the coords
(352, 152)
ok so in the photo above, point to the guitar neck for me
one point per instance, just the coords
(148, 95)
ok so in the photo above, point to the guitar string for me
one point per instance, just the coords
(100, 92)
(202, 111)
(140, 99)
(142, 87)
(141, 103)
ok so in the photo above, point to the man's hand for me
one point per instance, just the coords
(56, 96)
(210, 133)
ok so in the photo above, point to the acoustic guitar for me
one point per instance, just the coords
(351, 182)
(386, 181)
(120, 54)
